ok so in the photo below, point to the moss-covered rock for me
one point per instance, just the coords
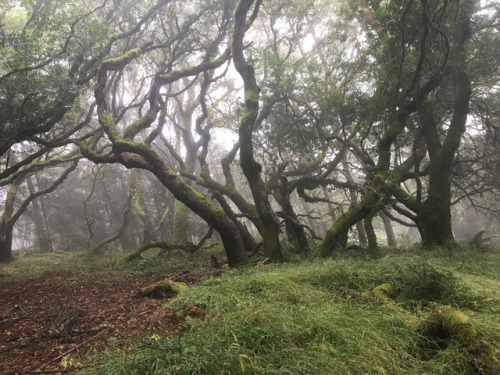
(445, 324)
(384, 292)
(162, 289)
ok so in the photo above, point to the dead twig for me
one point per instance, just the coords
(70, 350)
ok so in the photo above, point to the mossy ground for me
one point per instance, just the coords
(314, 318)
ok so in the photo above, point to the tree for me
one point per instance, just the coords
(416, 89)
(134, 154)
(12, 213)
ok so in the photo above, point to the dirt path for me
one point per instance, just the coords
(42, 318)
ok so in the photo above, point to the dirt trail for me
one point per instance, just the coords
(42, 318)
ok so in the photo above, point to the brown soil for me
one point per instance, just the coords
(42, 319)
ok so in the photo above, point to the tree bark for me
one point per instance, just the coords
(181, 212)
(126, 239)
(294, 229)
(132, 154)
(252, 169)
(140, 206)
(434, 214)
(389, 231)
(6, 224)
(354, 202)
(40, 228)
(370, 233)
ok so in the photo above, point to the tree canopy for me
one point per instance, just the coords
(264, 121)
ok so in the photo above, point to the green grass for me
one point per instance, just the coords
(313, 318)
(33, 264)
(29, 266)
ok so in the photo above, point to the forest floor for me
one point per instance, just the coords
(49, 323)
(64, 313)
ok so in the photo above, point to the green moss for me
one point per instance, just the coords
(109, 126)
(446, 323)
(138, 125)
(162, 289)
(180, 222)
(119, 62)
(384, 292)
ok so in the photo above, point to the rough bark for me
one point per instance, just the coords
(126, 239)
(389, 231)
(138, 155)
(354, 202)
(434, 215)
(294, 229)
(6, 223)
(370, 233)
(38, 217)
(133, 154)
(251, 169)
(140, 206)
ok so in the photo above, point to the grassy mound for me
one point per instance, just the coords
(311, 318)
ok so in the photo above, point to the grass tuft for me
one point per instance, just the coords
(311, 318)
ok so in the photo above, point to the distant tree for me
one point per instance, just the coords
(13, 212)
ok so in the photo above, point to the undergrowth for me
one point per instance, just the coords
(315, 318)
(29, 266)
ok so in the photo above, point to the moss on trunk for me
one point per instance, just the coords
(180, 222)
(251, 169)
(370, 233)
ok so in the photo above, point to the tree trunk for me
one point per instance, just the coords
(391, 238)
(41, 230)
(6, 225)
(181, 212)
(181, 223)
(126, 239)
(294, 229)
(370, 233)
(251, 169)
(213, 215)
(140, 206)
(6, 243)
(434, 214)
(133, 154)
(249, 241)
(354, 202)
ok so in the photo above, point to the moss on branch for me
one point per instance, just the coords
(120, 62)
(140, 124)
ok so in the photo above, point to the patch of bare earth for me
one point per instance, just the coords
(47, 319)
